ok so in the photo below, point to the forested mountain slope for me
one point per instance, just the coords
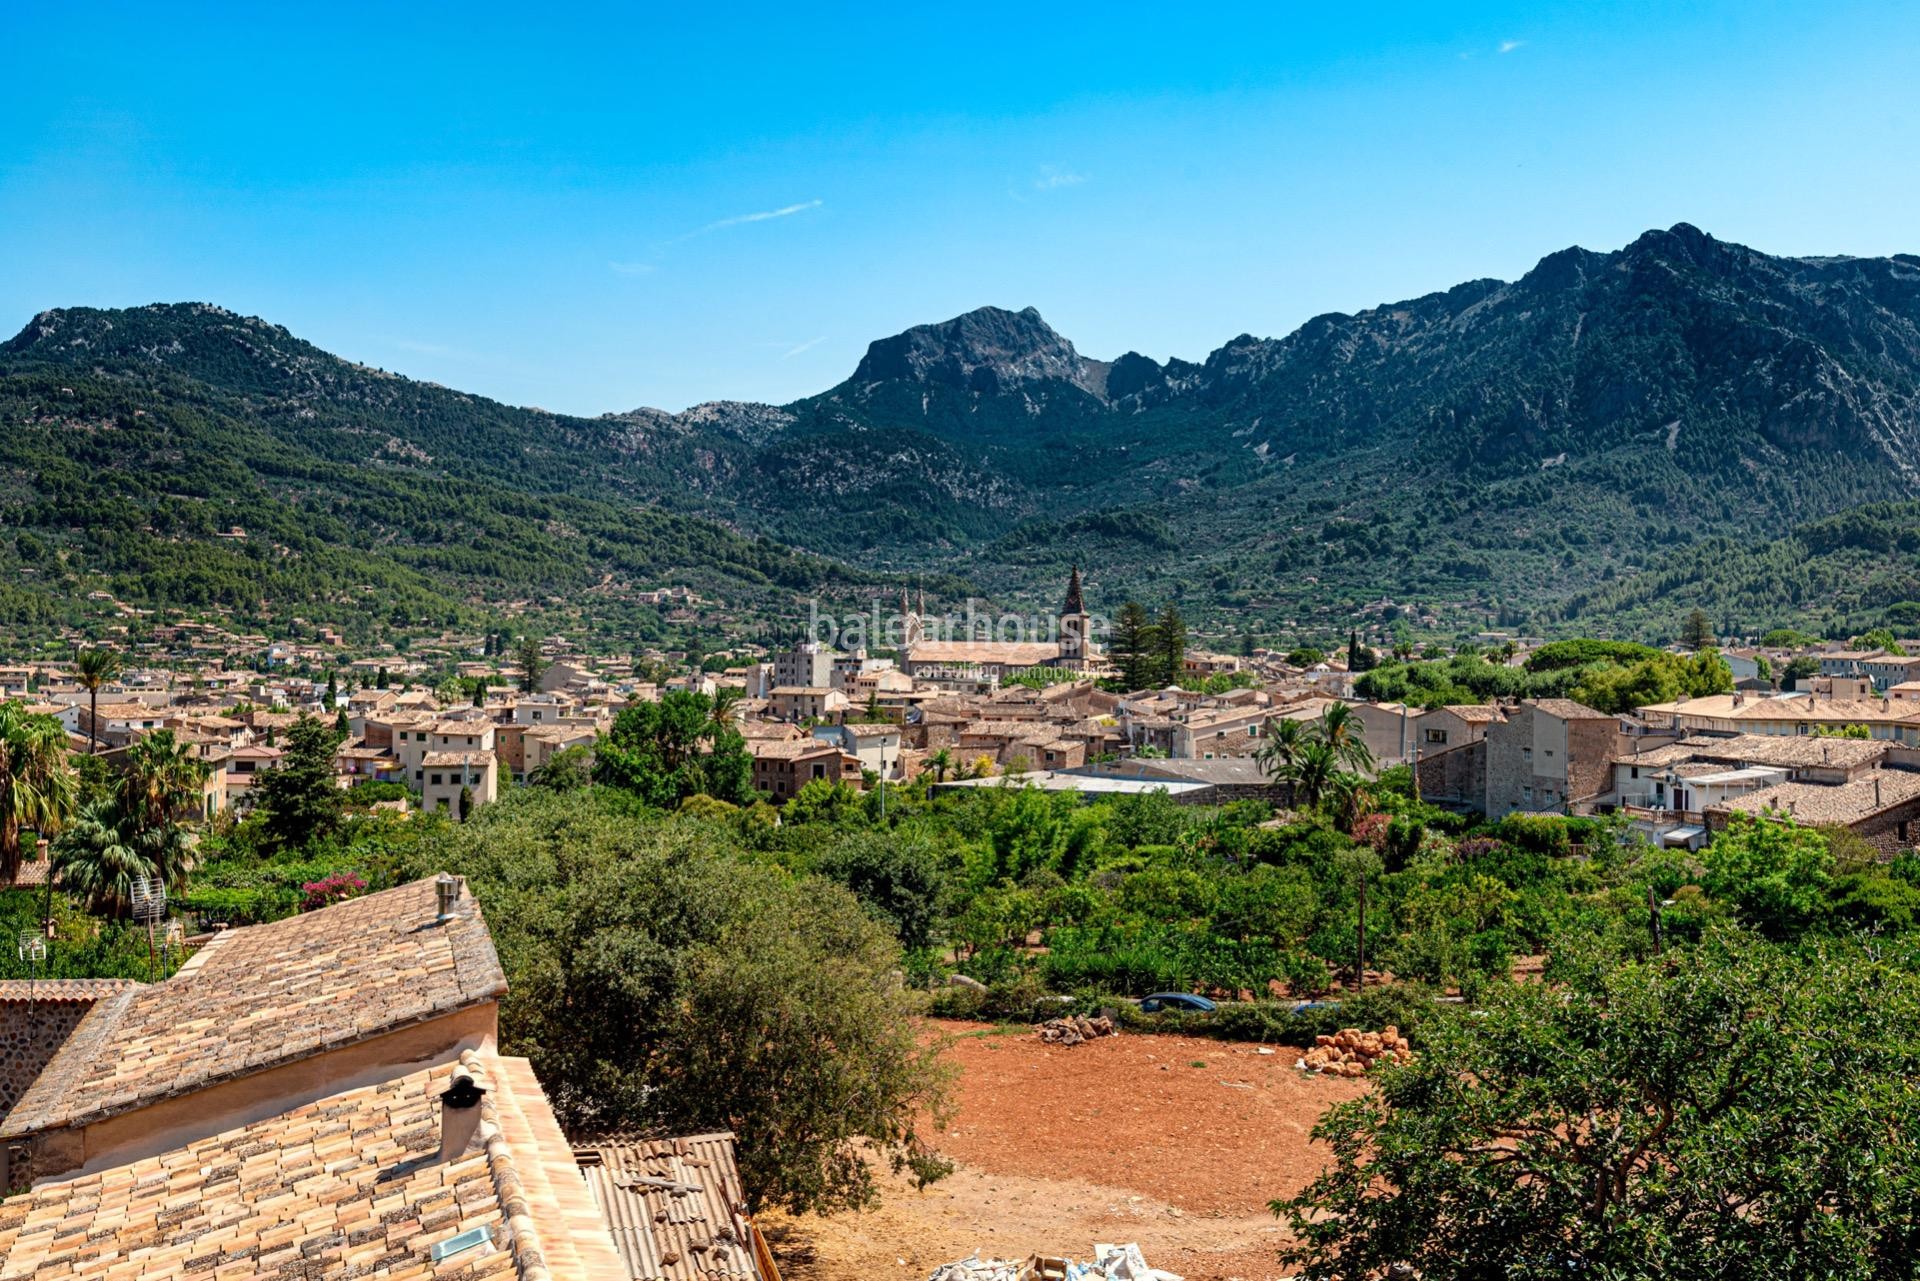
(1510, 452)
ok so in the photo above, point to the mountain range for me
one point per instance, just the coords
(1532, 452)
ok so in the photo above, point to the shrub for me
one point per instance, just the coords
(337, 888)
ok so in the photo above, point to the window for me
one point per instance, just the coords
(1526, 753)
(435, 780)
(1437, 736)
(1636, 771)
(1547, 751)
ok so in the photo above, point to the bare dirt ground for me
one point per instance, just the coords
(1175, 1142)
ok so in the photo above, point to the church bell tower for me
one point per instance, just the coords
(1074, 624)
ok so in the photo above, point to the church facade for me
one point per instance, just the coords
(990, 661)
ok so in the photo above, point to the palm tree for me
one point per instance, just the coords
(1284, 739)
(1312, 771)
(1348, 798)
(940, 762)
(99, 861)
(1339, 729)
(163, 777)
(94, 667)
(37, 784)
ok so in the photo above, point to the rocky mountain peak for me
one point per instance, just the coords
(985, 351)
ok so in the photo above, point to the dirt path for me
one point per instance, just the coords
(1174, 1142)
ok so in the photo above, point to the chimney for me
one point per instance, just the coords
(446, 892)
(1876, 791)
(459, 1114)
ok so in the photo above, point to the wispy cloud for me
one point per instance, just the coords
(764, 215)
(663, 247)
(1508, 46)
(797, 348)
(1052, 179)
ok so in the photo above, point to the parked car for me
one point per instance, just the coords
(1184, 1002)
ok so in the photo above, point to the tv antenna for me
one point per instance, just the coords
(149, 909)
(32, 949)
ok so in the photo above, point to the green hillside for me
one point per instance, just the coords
(127, 486)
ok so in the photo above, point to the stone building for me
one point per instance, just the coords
(1550, 756)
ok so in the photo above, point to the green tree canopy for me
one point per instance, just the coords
(686, 744)
(659, 982)
(296, 799)
(1735, 1110)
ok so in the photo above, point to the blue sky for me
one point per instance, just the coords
(592, 209)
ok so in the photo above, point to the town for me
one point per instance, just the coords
(233, 1055)
(447, 730)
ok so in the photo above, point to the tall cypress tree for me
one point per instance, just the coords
(1170, 645)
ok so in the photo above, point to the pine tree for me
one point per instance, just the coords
(1133, 644)
(296, 798)
(527, 656)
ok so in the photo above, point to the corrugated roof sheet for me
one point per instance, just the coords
(674, 1205)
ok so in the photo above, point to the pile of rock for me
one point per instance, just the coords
(1351, 1052)
(1075, 1028)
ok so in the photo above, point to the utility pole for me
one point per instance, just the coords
(1360, 942)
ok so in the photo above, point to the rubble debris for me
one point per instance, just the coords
(1110, 1263)
(975, 1268)
(1072, 1029)
(1351, 1052)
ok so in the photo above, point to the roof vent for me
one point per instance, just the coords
(446, 892)
(459, 1114)
(461, 1242)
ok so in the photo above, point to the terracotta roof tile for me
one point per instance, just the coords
(346, 1186)
(264, 995)
(1845, 803)
(63, 989)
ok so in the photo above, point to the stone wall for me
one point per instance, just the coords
(29, 1035)
(1893, 829)
(1457, 776)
